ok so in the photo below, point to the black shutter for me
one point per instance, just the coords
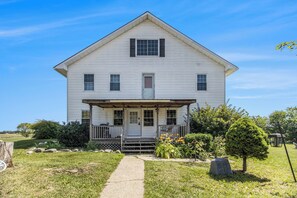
(162, 47)
(132, 47)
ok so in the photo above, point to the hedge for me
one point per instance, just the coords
(205, 138)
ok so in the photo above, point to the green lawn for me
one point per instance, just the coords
(269, 178)
(80, 174)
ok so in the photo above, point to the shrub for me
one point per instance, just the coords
(245, 139)
(91, 145)
(50, 144)
(167, 150)
(215, 120)
(218, 146)
(44, 129)
(73, 134)
(206, 139)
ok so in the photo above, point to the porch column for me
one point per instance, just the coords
(91, 121)
(123, 128)
(157, 109)
(188, 119)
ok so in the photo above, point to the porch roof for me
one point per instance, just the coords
(138, 103)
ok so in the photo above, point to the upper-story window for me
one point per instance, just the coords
(114, 82)
(147, 48)
(89, 82)
(201, 82)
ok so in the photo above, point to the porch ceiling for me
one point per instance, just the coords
(138, 103)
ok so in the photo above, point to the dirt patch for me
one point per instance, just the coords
(85, 169)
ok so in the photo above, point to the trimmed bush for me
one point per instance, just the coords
(206, 139)
(45, 129)
(245, 139)
(74, 134)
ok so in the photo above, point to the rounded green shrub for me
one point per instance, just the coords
(45, 129)
(245, 139)
(73, 134)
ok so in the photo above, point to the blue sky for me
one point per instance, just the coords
(36, 35)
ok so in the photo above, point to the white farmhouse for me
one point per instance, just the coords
(141, 81)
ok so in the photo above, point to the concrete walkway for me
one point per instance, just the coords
(127, 180)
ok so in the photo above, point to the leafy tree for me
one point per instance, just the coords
(261, 122)
(291, 45)
(245, 139)
(24, 129)
(215, 120)
(45, 129)
(286, 121)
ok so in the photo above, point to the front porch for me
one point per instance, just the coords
(140, 122)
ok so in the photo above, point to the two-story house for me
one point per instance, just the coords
(142, 80)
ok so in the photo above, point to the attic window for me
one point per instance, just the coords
(147, 48)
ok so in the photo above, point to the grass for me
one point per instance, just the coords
(269, 178)
(80, 174)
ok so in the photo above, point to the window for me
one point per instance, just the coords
(201, 82)
(114, 82)
(89, 81)
(148, 118)
(118, 117)
(133, 117)
(147, 47)
(171, 117)
(85, 117)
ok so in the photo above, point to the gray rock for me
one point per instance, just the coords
(75, 150)
(101, 150)
(220, 166)
(38, 150)
(107, 150)
(50, 150)
(29, 152)
(65, 150)
(117, 151)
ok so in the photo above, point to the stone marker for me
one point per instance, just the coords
(220, 166)
(6, 150)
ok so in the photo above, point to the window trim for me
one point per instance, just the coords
(118, 118)
(85, 82)
(153, 118)
(206, 81)
(171, 117)
(136, 47)
(110, 81)
(81, 121)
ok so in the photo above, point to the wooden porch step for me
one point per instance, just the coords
(138, 146)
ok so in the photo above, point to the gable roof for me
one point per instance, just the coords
(62, 67)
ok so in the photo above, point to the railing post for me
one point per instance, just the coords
(157, 109)
(188, 119)
(91, 121)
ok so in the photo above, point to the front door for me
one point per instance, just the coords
(134, 123)
(148, 86)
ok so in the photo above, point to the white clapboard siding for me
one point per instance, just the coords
(175, 74)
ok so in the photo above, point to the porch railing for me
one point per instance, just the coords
(175, 130)
(106, 132)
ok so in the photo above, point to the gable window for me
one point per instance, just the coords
(89, 82)
(171, 117)
(147, 47)
(85, 117)
(114, 82)
(148, 118)
(118, 117)
(201, 82)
